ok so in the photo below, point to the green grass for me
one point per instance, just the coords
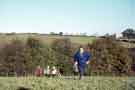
(82, 40)
(43, 83)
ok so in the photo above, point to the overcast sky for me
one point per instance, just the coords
(72, 16)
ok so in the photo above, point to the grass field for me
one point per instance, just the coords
(62, 83)
(48, 39)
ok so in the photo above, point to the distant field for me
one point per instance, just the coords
(48, 39)
(88, 83)
(128, 45)
(74, 39)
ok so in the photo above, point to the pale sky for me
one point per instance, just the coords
(72, 16)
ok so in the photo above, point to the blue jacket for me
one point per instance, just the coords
(81, 59)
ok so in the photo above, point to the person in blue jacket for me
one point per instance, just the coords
(81, 59)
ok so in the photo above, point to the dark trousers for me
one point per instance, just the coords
(81, 70)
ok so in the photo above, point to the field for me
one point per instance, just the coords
(67, 83)
(47, 39)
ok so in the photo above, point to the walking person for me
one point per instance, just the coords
(81, 59)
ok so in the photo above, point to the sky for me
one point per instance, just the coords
(68, 16)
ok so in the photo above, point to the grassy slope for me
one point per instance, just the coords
(43, 83)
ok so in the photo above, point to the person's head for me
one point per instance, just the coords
(81, 49)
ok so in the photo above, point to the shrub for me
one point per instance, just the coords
(109, 57)
(12, 58)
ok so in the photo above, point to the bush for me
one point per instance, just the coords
(109, 58)
(12, 58)
(37, 53)
(63, 46)
(19, 58)
(64, 51)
